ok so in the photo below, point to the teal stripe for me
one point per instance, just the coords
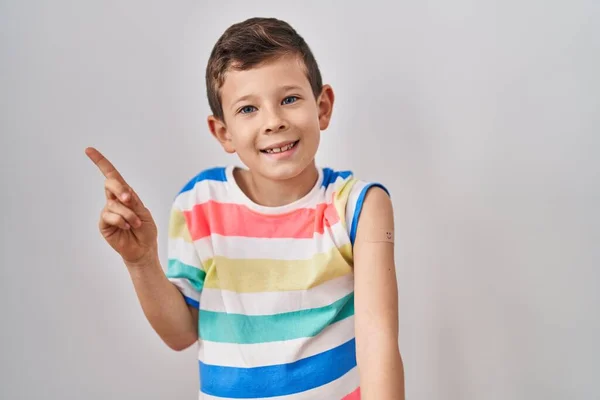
(246, 329)
(177, 269)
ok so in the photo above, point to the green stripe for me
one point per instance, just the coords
(246, 329)
(177, 269)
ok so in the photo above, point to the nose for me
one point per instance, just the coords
(274, 122)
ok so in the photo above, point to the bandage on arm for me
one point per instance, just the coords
(376, 235)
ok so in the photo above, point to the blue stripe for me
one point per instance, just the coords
(212, 174)
(278, 380)
(192, 302)
(358, 209)
(329, 176)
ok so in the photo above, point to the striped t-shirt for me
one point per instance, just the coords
(274, 287)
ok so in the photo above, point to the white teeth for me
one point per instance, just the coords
(280, 149)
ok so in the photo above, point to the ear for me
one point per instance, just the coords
(325, 105)
(219, 130)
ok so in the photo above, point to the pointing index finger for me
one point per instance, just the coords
(105, 166)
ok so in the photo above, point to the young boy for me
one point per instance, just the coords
(283, 273)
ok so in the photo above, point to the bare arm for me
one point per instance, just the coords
(128, 227)
(163, 305)
(379, 361)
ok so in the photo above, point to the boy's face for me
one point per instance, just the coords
(271, 118)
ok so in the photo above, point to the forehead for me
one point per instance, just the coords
(264, 78)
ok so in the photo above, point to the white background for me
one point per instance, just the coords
(481, 117)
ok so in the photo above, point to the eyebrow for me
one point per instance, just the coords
(239, 100)
(291, 87)
(285, 88)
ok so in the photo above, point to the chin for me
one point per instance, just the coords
(282, 172)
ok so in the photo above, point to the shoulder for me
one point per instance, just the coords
(335, 177)
(200, 187)
(377, 206)
(217, 174)
(368, 201)
(356, 199)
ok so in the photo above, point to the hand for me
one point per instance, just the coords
(125, 223)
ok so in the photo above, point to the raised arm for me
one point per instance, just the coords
(128, 227)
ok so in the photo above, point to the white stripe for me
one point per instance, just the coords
(183, 251)
(208, 190)
(335, 390)
(351, 204)
(237, 247)
(270, 303)
(339, 232)
(275, 353)
(185, 288)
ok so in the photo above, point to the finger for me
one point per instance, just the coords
(117, 190)
(105, 166)
(124, 193)
(126, 213)
(135, 201)
(111, 219)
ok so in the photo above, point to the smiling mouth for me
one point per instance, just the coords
(282, 149)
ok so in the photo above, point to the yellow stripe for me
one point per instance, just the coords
(341, 199)
(346, 251)
(256, 275)
(178, 227)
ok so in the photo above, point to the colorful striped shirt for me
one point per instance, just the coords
(274, 286)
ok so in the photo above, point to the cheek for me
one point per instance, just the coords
(307, 119)
(242, 138)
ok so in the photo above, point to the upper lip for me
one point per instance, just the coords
(279, 144)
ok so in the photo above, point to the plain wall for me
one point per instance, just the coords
(482, 118)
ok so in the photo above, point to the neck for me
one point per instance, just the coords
(270, 193)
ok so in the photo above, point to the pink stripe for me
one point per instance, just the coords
(353, 396)
(238, 220)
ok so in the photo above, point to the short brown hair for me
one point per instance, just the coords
(249, 43)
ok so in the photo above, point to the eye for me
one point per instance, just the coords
(247, 109)
(290, 100)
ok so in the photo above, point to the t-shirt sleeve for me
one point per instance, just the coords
(354, 205)
(184, 268)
